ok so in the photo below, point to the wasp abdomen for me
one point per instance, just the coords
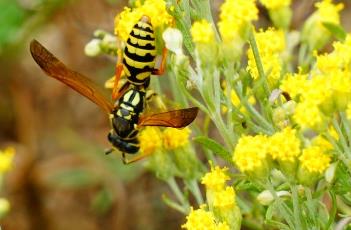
(140, 52)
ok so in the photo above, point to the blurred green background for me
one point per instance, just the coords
(61, 178)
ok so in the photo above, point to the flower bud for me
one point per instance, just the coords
(93, 48)
(266, 197)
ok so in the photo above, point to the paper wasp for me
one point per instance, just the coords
(138, 59)
(125, 114)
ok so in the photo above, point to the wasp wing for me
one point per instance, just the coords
(53, 67)
(175, 119)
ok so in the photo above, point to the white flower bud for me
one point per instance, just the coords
(330, 172)
(266, 197)
(92, 48)
(174, 40)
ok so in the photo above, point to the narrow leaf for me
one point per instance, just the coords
(214, 146)
(337, 31)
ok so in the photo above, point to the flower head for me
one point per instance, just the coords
(150, 140)
(234, 16)
(202, 32)
(250, 153)
(314, 160)
(200, 219)
(215, 180)
(284, 145)
(154, 9)
(224, 199)
(275, 4)
(271, 43)
(175, 138)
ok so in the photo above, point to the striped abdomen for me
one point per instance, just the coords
(140, 52)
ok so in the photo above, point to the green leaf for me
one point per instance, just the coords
(102, 201)
(73, 178)
(214, 146)
(337, 30)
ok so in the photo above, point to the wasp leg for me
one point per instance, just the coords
(108, 151)
(116, 92)
(161, 70)
(134, 159)
(121, 91)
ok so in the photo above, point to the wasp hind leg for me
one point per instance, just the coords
(118, 92)
(134, 159)
(161, 70)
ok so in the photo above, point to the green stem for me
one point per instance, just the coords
(258, 61)
(195, 190)
(296, 207)
(341, 137)
(346, 126)
(332, 211)
(177, 192)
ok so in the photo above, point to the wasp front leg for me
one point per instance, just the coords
(162, 67)
(134, 159)
(117, 92)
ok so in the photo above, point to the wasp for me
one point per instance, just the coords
(138, 59)
(125, 113)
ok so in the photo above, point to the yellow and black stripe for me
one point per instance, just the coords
(140, 52)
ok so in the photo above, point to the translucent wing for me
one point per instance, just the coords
(176, 118)
(83, 85)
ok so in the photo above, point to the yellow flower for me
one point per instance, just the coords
(224, 199)
(314, 160)
(155, 9)
(328, 12)
(307, 115)
(322, 143)
(202, 32)
(150, 140)
(294, 84)
(284, 145)
(125, 21)
(222, 226)
(234, 16)
(175, 138)
(6, 158)
(270, 43)
(250, 153)
(314, 33)
(348, 111)
(200, 219)
(275, 4)
(215, 180)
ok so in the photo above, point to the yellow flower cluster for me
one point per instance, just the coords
(294, 84)
(216, 178)
(221, 198)
(201, 219)
(155, 9)
(275, 4)
(151, 139)
(284, 145)
(325, 90)
(6, 159)
(328, 12)
(270, 43)
(314, 32)
(314, 160)
(250, 153)
(234, 16)
(224, 199)
(202, 32)
(175, 138)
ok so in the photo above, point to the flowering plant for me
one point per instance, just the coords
(279, 104)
